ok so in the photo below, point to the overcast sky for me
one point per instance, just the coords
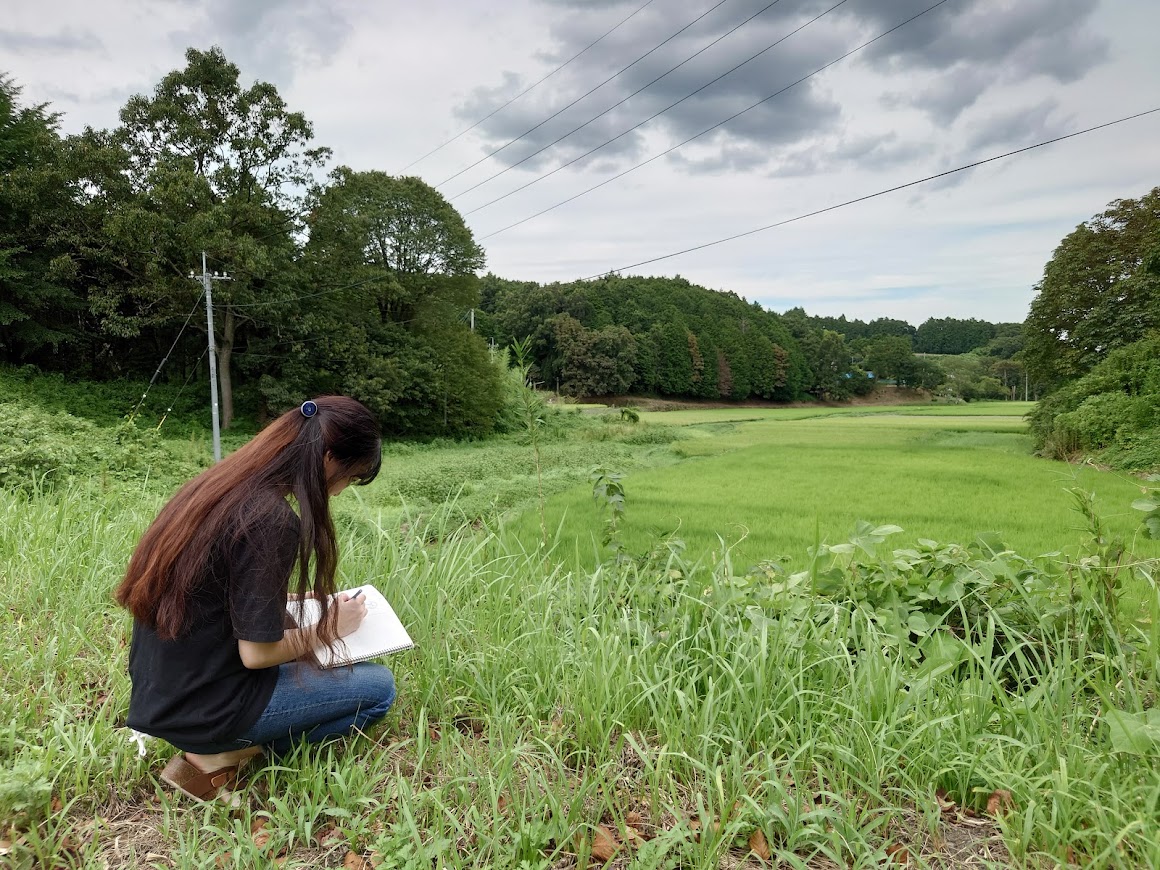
(385, 83)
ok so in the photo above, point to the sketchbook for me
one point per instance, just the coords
(380, 634)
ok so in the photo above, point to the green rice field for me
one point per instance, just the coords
(788, 479)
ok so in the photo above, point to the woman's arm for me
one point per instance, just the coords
(296, 642)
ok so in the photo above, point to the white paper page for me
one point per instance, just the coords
(381, 632)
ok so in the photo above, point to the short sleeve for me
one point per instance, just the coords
(259, 573)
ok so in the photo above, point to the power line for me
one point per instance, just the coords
(165, 358)
(695, 54)
(582, 96)
(877, 194)
(656, 114)
(530, 88)
(719, 124)
(188, 378)
(327, 292)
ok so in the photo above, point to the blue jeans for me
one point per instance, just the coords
(314, 705)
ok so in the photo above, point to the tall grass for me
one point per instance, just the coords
(665, 695)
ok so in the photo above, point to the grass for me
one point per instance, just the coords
(671, 701)
(778, 486)
(540, 704)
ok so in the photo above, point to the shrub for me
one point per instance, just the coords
(38, 448)
(1115, 408)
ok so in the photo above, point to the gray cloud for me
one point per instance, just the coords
(952, 92)
(113, 96)
(875, 152)
(986, 40)
(65, 40)
(783, 119)
(959, 52)
(998, 132)
(1022, 126)
(271, 39)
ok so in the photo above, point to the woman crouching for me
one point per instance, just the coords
(215, 670)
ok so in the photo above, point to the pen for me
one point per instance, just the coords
(356, 595)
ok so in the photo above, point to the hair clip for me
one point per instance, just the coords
(309, 409)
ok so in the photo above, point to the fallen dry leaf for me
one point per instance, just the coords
(329, 835)
(899, 855)
(604, 844)
(259, 833)
(433, 734)
(759, 846)
(972, 820)
(57, 804)
(501, 803)
(945, 804)
(355, 861)
(633, 819)
(469, 726)
(1000, 802)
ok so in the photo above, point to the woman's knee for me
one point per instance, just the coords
(377, 684)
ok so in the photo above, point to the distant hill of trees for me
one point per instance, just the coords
(669, 337)
(665, 336)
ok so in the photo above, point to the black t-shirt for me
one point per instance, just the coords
(194, 689)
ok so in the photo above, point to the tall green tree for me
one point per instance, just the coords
(593, 362)
(404, 263)
(1100, 290)
(212, 166)
(39, 307)
(832, 367)
(891, 358)
(682, 333)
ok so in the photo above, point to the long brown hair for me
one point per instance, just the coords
(223, 503)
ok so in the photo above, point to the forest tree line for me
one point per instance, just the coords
(668, 337)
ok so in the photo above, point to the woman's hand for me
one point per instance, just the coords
(351, 613)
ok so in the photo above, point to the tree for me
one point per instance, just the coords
(891, 358)
(216, 167)
(679, 330)
(1115, 405)
(38, 304)
(674, 364)
(1100, 290)
(593, 362)
(949, 335)
(405, 262)
(724, 375)
(926, 374)
(831, 365)
(1011, 373)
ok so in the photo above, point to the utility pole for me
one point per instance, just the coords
(473, 320)
(207, 284)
